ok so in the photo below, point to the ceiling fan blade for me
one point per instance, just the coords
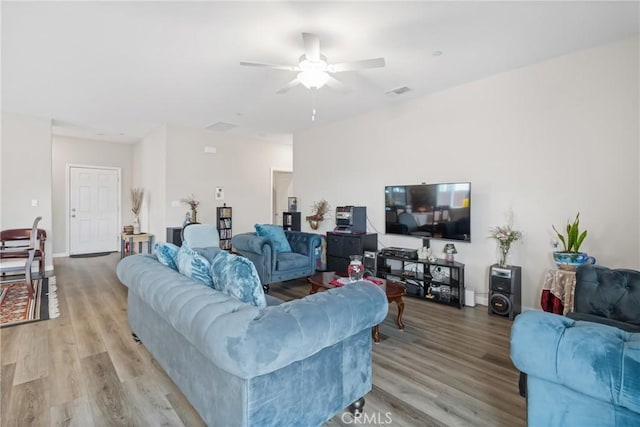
(311, 46)
(356, 65)
(293, 83)
(336, 84)
(274, 66)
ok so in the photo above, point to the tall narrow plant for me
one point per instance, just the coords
(574, 238)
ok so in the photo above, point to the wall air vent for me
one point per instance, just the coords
(398, 91)
(221, 126)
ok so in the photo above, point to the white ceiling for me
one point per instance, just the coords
(121, 69)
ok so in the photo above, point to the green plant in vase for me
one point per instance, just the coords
(571, 257)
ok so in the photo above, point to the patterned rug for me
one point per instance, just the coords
(16, 307)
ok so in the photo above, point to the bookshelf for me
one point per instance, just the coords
(291, 221)
(224, 223)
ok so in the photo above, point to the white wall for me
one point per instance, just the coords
(149, 172)
(546, 141)
(76, 151)
(242, 166)
(26, 175)
(170, 163)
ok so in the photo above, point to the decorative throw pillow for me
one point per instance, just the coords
(276, 234)
(236, 276)
(167, 254)
(194, 265)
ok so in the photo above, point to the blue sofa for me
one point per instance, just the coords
(275, 267)
(294, 363)
(579, 373)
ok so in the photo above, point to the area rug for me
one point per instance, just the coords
(16, 307)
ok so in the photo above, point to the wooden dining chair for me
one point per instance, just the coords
(15, 243)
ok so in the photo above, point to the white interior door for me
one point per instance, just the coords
(282, 189)
(93, 210)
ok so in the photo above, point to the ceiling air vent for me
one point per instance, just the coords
(397, 91)
(221, 126)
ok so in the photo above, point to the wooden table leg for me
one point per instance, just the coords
(314, 288)
(400, 303)
(376, 333)
(122, 245)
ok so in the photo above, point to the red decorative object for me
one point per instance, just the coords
(550, 302)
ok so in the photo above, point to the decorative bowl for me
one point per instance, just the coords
(572, 260)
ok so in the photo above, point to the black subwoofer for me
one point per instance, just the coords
(504, 291)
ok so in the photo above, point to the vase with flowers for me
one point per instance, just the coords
(193, 205)
(137, 195)
(505, 236)
(318, 211)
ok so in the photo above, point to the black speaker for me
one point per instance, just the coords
(369, 261)
(505, 284)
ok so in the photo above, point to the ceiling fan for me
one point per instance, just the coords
(313, 70)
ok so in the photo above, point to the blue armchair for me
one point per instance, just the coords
(275, 267)
(578, 373)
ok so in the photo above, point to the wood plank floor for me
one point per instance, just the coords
(449, 367)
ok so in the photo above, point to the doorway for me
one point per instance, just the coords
(282, 188)
(93, 210)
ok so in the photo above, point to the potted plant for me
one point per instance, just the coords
(571, 257)
(137, 195)
(319, 209)
(193, 204)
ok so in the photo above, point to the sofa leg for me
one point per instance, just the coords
(265, 288)
(522, 384)
(357, 407)
(135, 338)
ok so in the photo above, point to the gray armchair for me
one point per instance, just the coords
(275, 267)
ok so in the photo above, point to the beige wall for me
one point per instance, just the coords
(75, 151)
(26, 174)
(546, 141)
(240, 165)
(170, 163)
(150, 173)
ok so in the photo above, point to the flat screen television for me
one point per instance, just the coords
(440, 211)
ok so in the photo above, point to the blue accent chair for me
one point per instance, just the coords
(275, 267)
(579, 373)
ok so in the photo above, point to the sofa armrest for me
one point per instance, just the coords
(260, 250)
(249, 342)
(303, 243)
(590, 358)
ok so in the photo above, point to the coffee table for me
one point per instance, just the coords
(394, 290)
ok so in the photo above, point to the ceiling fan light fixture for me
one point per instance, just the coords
(313, 79)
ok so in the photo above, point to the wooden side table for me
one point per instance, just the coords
(136, 238)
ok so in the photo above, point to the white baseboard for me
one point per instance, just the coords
(482, 300)
(61, 255)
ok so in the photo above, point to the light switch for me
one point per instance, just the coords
(210, 150)
(34, 202)
(175, 204)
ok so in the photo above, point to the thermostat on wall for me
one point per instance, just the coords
(219, 193)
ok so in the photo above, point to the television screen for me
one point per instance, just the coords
(440, 211)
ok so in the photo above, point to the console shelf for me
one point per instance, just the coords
(438, 281)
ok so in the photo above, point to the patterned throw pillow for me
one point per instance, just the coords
(194, 265)
(236, 276)
(167, 254)
(276, 234)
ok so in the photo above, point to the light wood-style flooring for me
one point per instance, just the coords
(449, 367)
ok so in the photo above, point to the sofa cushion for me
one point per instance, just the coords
(627, 327)
(209, 253)
(194, 265)
(236, 276)
(276, 234)
(291, 260)
(167, 254)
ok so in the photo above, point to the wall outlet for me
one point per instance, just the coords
(209, 149)
(176, 204)
(34, 202)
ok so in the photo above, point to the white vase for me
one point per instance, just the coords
(136, 225)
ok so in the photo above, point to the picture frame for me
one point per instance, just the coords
(292, 204)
